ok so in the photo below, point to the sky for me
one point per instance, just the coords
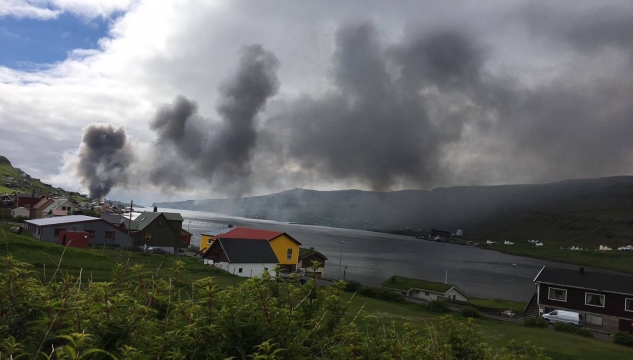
(185, 99)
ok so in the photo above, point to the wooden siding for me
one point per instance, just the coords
(306, 263)
(280, 246)
(613, 303)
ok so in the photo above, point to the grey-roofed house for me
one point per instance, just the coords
(60, 207)
(242, 257)
(156, 229)
(604, 299)
(306, 257)
(100, 231)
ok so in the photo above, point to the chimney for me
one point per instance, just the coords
(155, 209)
(582, 269)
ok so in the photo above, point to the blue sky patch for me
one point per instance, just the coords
(24, 43)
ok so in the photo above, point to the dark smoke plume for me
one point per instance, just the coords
(104, 157)
(193, 147)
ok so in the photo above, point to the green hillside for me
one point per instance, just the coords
(24, 183)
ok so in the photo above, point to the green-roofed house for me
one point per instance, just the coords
(306, 257)
(425, 290)
(156, 229)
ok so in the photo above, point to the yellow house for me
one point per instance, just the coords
(286, 247)
(207, 238)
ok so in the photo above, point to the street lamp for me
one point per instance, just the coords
(340, 261)
(512, 292)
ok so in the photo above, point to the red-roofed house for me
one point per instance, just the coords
(286, 247)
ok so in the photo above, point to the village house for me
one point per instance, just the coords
(38, 209)
(242, 257)
(604, 299)
(441, 234)
(20, 212)
(99, 231)
(207, 238)
(59, 207)
(286, 248)
(306, 257)
(156, 229)
(27, 200)
(425, 290)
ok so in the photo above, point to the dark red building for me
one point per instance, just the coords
(74, 238)
(604, 299)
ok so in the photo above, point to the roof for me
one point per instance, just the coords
(247, 250)
(116, 219)
(60, 212)
(255, 234)
(591, 280)
(40, 204)
(61, 220)
(304, 253)
(216, 232)
(143, 219)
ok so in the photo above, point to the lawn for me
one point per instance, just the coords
(557, 345)
(405, 283)
(497, 303)
(96, 264)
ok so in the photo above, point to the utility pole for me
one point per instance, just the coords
(340, 261)
(512, 292)
(129, 225)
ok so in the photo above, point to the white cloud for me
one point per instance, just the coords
(51, 9)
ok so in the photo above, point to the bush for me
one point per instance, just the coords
(352, 286)
(381, 294)
(536, 322)
(469, 311)
(623, 338)
(572, 329)
(437, 306)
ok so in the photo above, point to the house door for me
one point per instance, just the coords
(626, 325)
(64, 240)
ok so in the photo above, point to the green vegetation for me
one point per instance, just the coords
(404, 283)
(497, 303)
(469, 311)
(572, 329)
(535, 322)
(623, 338)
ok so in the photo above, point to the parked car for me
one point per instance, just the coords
(151, 250)
(565, 316)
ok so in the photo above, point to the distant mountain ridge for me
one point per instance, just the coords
(477, 209)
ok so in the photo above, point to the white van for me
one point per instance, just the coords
(565, 316)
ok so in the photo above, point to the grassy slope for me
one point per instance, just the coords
(557, 345)
(497, 303)
(97, 264)
(38, 186)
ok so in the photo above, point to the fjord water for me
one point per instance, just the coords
(372, 257)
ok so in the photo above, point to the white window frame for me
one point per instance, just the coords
(631, 300)
(550, 298)
(604, 302)
(289, 254)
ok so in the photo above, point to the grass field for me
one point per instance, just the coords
(497, 303)
(405, 283)
(557, 345)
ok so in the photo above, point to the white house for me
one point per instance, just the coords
(20, 212)
(242, 257)
(425, 290)
(60, 207)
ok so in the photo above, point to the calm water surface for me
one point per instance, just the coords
(371, 257)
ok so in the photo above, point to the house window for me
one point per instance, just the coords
(91, 234)
(289, 254)
(594, 299)
(239, 270)
(557, 294)
(160, 223)
(594, 320)
(628, 304)
(148, 236)
(109, 235)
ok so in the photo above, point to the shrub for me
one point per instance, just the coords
(623, 338)
(535, 322)
(352, 286)
(382, 294)
(572, 329)
(437, 306)
(469, 311)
